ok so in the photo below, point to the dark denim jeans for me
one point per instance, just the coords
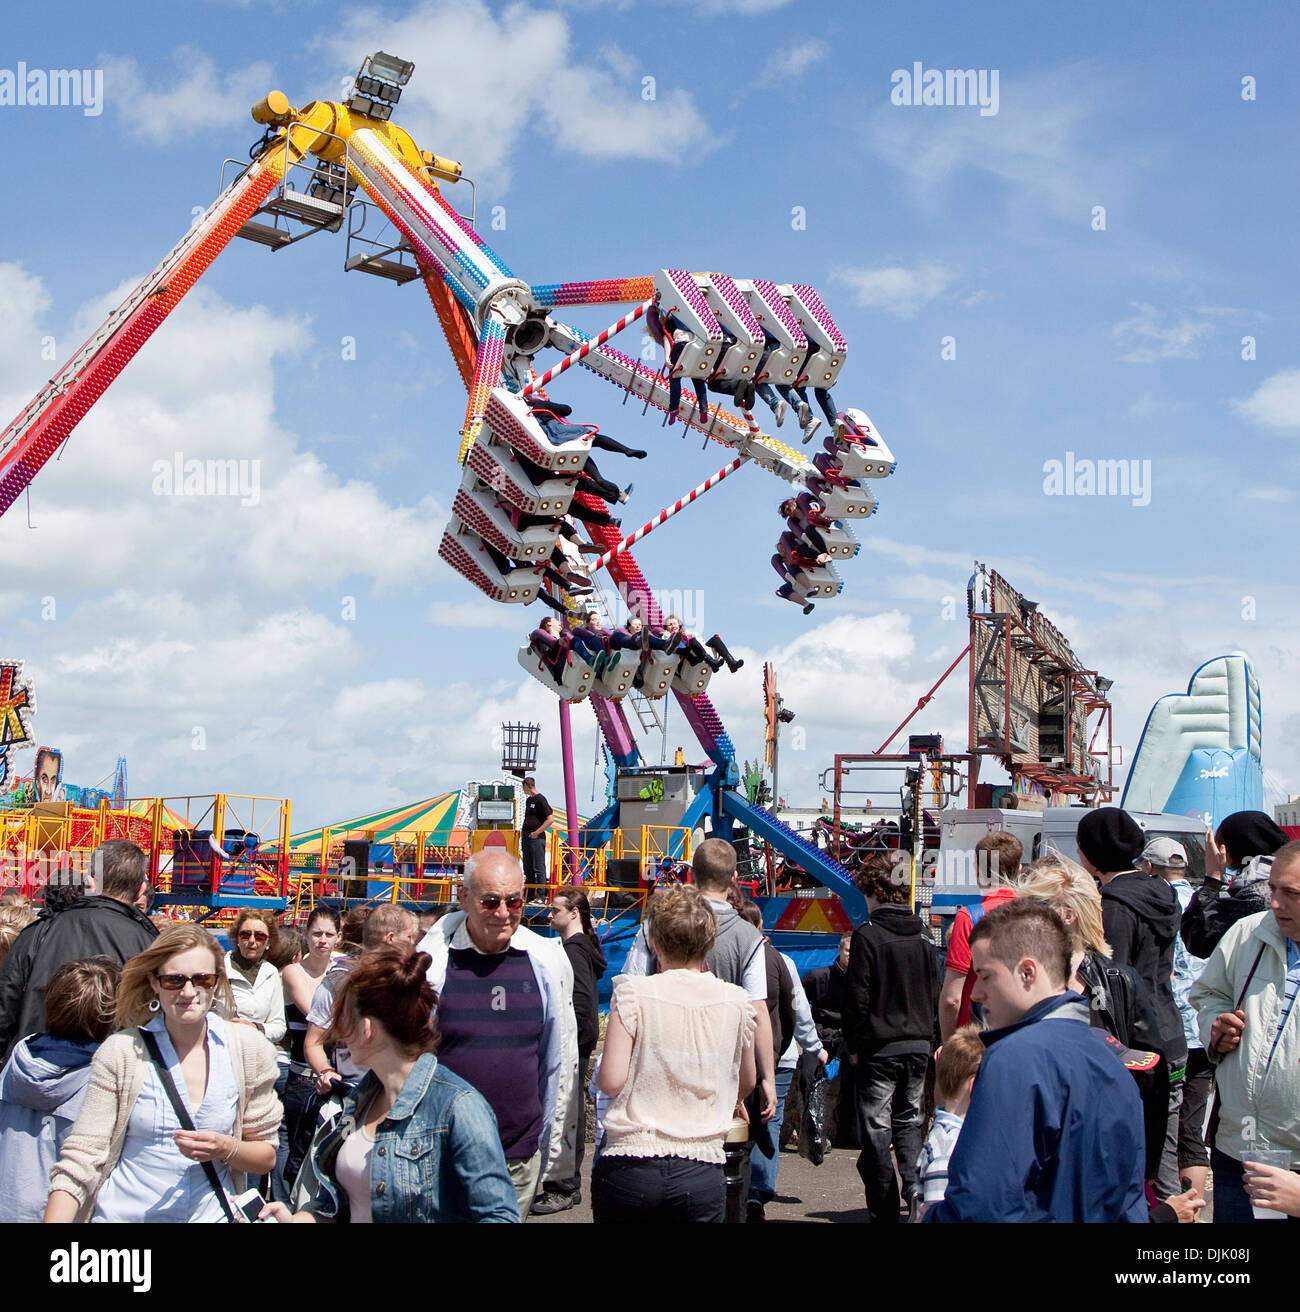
(301, 1106)
(634, 1190)
(763, 1169)
(889, 1096)
(534, 852)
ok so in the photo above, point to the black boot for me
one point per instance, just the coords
(674, 641)
(721, 648)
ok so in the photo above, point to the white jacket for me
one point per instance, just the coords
(1259, 1099)
(558, 1064)
(262, 1001)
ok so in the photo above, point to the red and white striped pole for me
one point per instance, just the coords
(668, 512)
(570, 360)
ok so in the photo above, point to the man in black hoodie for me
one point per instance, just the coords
(105, 924)
(1241, 839)
(890, 997)
(1141, 917)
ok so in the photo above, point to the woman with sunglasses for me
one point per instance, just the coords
(254, 981)
(177, 1062)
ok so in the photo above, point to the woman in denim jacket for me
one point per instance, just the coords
(414, 1142)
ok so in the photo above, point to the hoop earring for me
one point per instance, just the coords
(155, 1005)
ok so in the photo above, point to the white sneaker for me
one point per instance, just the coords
(782, 407)
(812, 426)
(805, 414)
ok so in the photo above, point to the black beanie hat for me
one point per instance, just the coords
(1111, 839)
(1250, 833)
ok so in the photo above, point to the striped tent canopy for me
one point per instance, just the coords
(144, 807)
(434, 817)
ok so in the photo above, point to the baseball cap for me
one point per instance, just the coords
(1165, 852)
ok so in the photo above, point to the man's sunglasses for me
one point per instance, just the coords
(491, 901)
(174, 983)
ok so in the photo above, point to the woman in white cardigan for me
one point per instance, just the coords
(130, 1157)
(255, 983)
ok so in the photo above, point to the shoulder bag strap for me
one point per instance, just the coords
(169, 1086)
(1254, 967)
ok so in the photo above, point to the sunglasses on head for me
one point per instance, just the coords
(174, 983)
(490, 901)
(254, 935)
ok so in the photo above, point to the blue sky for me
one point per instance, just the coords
(920, 223)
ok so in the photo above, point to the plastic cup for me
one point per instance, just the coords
(1268, 1157)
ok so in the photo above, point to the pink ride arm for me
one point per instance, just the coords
(47, 421)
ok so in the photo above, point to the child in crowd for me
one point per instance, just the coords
(954, 1077)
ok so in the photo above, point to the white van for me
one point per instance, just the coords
(1050, 830)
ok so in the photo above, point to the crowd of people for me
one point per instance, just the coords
(1055, 1064)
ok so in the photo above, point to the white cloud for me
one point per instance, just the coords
(895, 289)
(1036, 144)
(1148, 406)
(788, 63)
(1275, 403)
(1269, 494)
(204, 388)
(588, 101)
(195, 97)
(477, 615)
(1145, 338)
(740, 8)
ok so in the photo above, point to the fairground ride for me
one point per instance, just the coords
(518, 486)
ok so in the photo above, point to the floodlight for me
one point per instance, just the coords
(390, 68)
(1104, 685)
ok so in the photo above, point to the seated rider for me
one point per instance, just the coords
(591, 642)
(806, 527)
(674, 336)
(550, 414)
(505, 565)
(549, 642)
(588, 481)
(522, 519)
(693, 652)
(791, 562)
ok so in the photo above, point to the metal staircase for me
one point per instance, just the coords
(797, 848)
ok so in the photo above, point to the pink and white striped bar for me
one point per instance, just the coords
(573, 357)
(668, 512)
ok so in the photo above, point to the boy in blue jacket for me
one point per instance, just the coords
(1055, 1130)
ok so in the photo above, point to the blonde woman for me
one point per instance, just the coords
(1117, 997)
(254, 982)
(178, 1063)
(679, 1051)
